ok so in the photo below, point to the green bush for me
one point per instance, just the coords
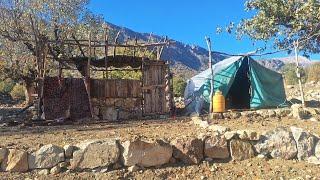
(18, 92)
(314, 72)
(290, 76)
(6, 86)
(179, 85)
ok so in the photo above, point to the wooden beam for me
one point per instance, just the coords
(106, 38)
(103, 44)
(82, 42)
(87, 78)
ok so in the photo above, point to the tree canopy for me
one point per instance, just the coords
(283, 22)
(26, 27)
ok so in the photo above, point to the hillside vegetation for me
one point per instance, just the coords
(308, 74)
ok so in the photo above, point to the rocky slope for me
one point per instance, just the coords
(277, 63)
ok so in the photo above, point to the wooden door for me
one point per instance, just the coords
(153, 88)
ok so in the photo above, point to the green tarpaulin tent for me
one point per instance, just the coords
(243, 81)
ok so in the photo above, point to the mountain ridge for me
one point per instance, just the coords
(188, 60)
(184, 57)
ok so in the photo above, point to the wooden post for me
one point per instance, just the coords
(87, 78)
(296, 49)
(142, 85)
(211, 70)
(134, 48)
(169, 91)
(89, 58)
(106, 50)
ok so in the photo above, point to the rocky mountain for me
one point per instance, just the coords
(185, 58)
(189, 60)
(277, 63)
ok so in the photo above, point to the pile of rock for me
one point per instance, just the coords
(296, 111)
(280, 143)
(220, 144)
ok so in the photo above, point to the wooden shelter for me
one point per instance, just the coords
(108, 98)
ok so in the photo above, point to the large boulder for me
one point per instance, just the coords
(306, 143)
(146, 154)
(278, 143)
(241, 150)
(16, 161)
(188, 150)
(216, 147)
(95, 153)
(46, 157)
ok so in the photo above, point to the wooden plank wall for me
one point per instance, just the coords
(154, 88)
(115, 88)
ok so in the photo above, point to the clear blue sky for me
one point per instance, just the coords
(188, 21)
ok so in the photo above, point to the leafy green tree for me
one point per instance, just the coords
(179, 85)
(290, 76)
(27, 26)
(282, 22)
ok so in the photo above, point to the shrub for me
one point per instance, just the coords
(289, 71)
(6, 86)
(314, 72)
(179, 86)
(18, 92)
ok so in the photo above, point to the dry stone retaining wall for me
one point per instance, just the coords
(109, 154)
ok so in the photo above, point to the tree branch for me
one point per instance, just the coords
(79, 45)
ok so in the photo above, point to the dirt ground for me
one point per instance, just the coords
(31, 138)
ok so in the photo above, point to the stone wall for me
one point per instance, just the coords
(217, 144)
(113, 109)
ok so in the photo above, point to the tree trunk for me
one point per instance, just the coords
(30, 90)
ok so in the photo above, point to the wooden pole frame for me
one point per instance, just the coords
(87, 77)
(211, 70)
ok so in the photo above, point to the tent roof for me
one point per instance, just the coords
(263, 81)
(204, 75)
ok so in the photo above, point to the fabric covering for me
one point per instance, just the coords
(65, 98)
(266, 85)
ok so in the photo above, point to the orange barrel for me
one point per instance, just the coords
(218, 102)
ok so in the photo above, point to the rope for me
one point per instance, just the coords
(264, 54)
